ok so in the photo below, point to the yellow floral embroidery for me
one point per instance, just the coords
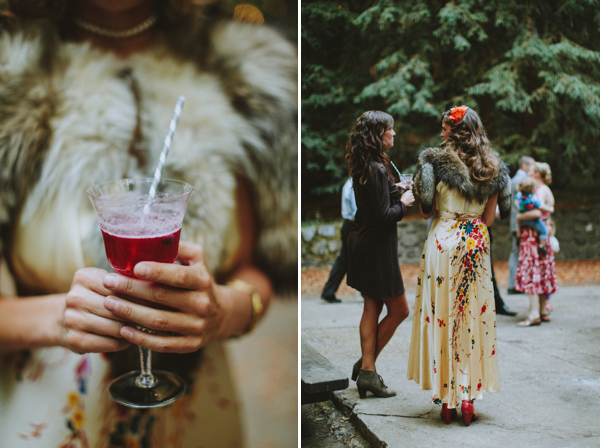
(470, 243)
(73, 399)
(78, 419)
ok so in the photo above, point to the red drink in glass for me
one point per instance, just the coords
(137, 226)
(124, 252)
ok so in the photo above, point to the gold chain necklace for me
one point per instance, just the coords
(117, 34)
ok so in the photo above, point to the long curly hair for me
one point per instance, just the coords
(366, 145)
(469, 139)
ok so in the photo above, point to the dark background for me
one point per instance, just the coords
(531, 69)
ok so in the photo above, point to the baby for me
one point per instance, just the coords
(527, 201)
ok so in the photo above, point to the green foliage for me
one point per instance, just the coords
(530, 69)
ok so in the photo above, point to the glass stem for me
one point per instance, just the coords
(146, 379)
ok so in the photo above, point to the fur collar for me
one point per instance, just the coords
(68, 119)
(443, 164)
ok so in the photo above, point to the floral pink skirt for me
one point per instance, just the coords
(536, 273)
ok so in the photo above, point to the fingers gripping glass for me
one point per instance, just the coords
(139, 227)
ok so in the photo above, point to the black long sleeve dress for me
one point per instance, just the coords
(373, 267)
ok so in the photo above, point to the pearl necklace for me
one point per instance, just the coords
(138, 29)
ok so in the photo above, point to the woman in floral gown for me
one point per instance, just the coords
(536, 272)
(453, 348)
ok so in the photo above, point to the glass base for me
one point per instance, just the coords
(166, 389)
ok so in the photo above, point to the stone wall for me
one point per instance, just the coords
(578, 231)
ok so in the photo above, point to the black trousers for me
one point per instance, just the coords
(340, 266)
(498, 302)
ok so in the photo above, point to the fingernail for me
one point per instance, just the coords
(142, 270)
(111, 281)
(110, 304)
(126, 333)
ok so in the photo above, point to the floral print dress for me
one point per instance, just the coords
(536, 273)
(54, 398)
(453, 347)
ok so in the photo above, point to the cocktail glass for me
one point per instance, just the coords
(137, 227)
(407, 178)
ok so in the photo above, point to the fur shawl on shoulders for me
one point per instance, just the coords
(72, 116)
(443, 164)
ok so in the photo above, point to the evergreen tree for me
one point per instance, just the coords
(530, 68)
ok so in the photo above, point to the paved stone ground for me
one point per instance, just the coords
(550, 378)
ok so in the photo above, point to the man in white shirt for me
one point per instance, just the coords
(338, 271)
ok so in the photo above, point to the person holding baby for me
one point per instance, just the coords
(536, 270)
(528, 201)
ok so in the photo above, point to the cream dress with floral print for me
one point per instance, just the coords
(453, 348)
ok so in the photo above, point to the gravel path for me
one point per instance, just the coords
(569, 273)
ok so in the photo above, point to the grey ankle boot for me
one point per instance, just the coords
(368, 380)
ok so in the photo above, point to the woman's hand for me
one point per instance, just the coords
(87, 326)
(186, 297)
(405, 185)
(531, 214)
(408, 198)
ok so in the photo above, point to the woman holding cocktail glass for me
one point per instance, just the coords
(373, 267)
(92, 88)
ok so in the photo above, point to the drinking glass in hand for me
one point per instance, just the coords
(137, 227)
(407, 179)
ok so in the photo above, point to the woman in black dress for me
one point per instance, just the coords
(373, 267)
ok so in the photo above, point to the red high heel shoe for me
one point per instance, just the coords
(468, 412)
(447, 414)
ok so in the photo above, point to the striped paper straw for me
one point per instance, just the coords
(399, 175)
(165, 150)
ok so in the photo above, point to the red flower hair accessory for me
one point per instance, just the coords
(457, 113)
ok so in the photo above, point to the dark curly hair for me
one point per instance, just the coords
(469, 139)
(366, 145)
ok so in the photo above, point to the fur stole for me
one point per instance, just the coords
(443, 164)
(72, 116)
